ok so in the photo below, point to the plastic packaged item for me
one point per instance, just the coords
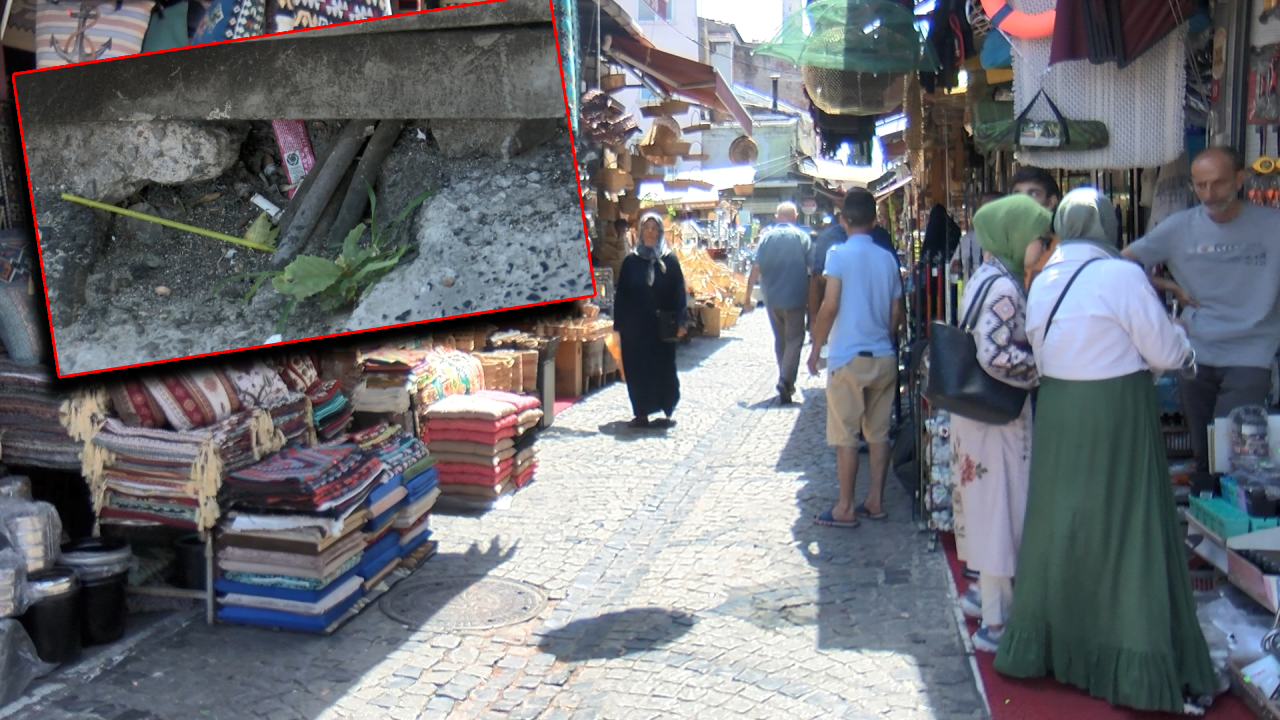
(34, 530)
(15, 487)
(1228, 628)
(1249, 447)
(15, 597)
(19, 661)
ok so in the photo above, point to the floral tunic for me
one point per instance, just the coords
(991, 464)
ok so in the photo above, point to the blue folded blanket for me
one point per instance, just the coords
(285, 620)
(225, 586)
(378, 555)
(381, 491)
(422, 484)
(415, 543)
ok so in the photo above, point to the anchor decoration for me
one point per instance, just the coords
(88, 16)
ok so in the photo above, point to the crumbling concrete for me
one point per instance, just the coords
(109, 162)
(491, 138)
(501, 234)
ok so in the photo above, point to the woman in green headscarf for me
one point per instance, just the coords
(991, 463)
(1104, 597)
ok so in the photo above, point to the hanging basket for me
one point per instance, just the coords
(843, 92)
(743, 151)
(610, 83)
(744, 189)
(674, 107)
(695, 129)
(613, 180)
(655, 111)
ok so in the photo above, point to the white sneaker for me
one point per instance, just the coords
(987, 640)
(971, 603)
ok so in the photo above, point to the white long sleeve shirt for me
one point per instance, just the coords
(1109, 325)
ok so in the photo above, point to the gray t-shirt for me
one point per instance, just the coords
(1230, 271)
(783, 257)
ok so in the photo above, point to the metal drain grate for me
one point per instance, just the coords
(463, 603)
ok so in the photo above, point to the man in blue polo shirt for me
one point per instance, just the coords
(860, 313)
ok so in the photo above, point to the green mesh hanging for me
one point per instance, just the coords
(867, 36)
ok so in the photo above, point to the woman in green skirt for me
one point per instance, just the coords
(1103, 600)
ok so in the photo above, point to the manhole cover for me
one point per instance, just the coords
(463, 603)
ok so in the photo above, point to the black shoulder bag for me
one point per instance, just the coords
(957, 382)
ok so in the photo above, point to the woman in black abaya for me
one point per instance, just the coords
(650, 285)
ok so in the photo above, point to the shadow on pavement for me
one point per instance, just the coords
(617, 634)
(878, 590)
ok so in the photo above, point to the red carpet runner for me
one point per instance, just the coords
(1013, 699)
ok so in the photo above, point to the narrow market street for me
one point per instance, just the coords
(684, 575)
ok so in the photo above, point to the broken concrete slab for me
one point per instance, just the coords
(71, 237)
(501, 234)
(491, 138)
(70, 157)
(491, 74)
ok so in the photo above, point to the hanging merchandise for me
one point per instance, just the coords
(168, 28)
(952, 41)
(1114, 32)
(1152, 87)
(1172, 191)
(996, 52)
(76, 32)
(853, 54)
(1017, 23)
(20, 30)
(230, 19)
(992, 126)
(303, 14)
(1059, 133)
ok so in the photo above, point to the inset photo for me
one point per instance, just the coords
(298, 186)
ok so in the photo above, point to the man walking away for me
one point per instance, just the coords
(861, 310)
(782, 267)
(1220, 256)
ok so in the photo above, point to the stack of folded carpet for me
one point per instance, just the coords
(385, 386)
(331, 410)
(410, 469)
(300, 560)
(297, 572)
(41, 426)
(170, 477)
(474, 441)
(422, 488)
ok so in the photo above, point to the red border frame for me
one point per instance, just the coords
(573, 149)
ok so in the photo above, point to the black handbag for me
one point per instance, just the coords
(669, 326)
(957, 382)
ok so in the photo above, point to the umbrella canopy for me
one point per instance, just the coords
(869, 36)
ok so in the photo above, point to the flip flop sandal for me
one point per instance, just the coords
(662, 423)
(639, 423)
(862, 512)
(825, 519)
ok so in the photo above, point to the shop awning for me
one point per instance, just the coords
(679, 76)
(895, 185)
(834, 172)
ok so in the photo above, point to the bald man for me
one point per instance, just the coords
(782, 267)
(1225, 259)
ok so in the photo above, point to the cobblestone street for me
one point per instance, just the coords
(685, 575)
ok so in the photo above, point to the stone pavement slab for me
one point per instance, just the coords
(685, 577)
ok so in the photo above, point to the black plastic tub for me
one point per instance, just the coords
(191, 564)
(103, 609)
(53, 621)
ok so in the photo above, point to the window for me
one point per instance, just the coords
(655, 10)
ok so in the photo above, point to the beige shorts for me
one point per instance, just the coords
(860, 397)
